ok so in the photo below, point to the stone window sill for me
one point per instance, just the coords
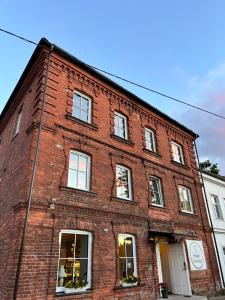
(157, 154)
(62, 294)
(128, 142)
(77, 191)
(188, 214)
(76, 120)
(158, 207)
(180, 165)
(120, 287)
(122, 200)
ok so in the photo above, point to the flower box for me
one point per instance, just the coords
(73, 290)
(125, 284)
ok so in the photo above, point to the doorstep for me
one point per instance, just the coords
(179, 297)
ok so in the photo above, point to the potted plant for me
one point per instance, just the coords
(75, 286)
(129, 281)
(164, 289)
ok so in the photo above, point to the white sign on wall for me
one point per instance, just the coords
(196, 255)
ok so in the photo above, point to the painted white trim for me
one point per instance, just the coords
(152, 137)
(189, 197)
(181, 152)
(89, 105)
(159, 184)
(89, 258)
(129, 183)
(125, 125)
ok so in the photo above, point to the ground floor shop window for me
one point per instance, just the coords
(127, 259)
(74, 267)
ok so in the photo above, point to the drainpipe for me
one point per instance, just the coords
(210, 219)
(33, 175)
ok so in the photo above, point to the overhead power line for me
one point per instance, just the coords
(130, 82)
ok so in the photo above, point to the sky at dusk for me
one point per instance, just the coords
(176, 47)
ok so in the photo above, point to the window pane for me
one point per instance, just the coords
(67, 245)
(85, 104)
(129, 246)
(77, 100)
(84, 115)
(82, 163)
(130, 266)
(81, 269)
(72, 178)
(65, 273)
(76, 112)
(82, 184)
(123, 272)
(121, 246)
(81, 246)
(73, 161)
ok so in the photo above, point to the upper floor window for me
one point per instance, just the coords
(127, 256)
(17, 123)
(150, 140)
(216, 207)
(74, 259)
(186, 199)
(120, 125)
(156, 191)
(177, 152)
(123, 182)
(81, 107)
(79, 170)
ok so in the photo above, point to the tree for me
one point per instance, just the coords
(208, 166)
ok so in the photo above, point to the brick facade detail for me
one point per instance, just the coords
(56, 206)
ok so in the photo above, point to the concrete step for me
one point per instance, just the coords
(179, 297)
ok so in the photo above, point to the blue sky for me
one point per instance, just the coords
(175, 46)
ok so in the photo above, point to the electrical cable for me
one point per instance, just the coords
(129, 81)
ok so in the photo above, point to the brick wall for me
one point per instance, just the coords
(98, 209)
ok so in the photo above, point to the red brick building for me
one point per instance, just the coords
(116, 195)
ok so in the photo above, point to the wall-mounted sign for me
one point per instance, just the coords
(196, 255)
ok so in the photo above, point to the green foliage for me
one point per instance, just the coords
(208, 166)
(76, 284)
(130, 279)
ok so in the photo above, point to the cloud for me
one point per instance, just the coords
(207, 91)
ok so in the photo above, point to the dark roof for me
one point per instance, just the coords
(214, 175)
(73, 59)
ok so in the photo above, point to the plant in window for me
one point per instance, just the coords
(130, 279)
(164, 289)
(75, 286)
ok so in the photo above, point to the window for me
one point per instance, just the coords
(177, 152)
(156, 191)
(123, 182)
(186, 200)
(17, 122)
(120, 125)
(216, 207)
(150, 140)
(127, 255)
(74, 258)
(79, 170)
(81, 107)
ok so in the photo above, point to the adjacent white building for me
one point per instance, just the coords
(215, 197)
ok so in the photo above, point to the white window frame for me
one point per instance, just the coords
(189, 197)
(213, 197)
(180, 150)
(125, 129)
(87, 170)
(70, 231)
(89, 106)
(125, 235)
(159, 186)
(17, 123)
(129, 182)
(150, 140)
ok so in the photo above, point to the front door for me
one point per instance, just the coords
(180, 281)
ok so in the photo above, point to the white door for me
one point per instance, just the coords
(179, 270)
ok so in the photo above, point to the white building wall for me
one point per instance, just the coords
(216, 187)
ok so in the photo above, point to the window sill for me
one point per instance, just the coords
(77, 191)
(180, 165)
(157, 154)
(128, 142)
(76, 120)
(120, 287)
(122, 200)
(158, 207)
(185, 213)
(62, 294)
